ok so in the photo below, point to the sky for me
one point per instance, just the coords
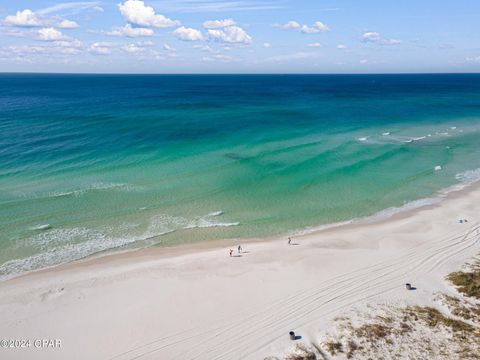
(240, 36)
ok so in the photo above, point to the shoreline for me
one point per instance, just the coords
(199, 303)
(399, 212)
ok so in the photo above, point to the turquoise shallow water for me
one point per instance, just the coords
(90, 163)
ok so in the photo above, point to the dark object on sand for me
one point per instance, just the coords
(408, 286)
(292, 335)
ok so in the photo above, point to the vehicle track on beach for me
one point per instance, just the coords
(234, 337)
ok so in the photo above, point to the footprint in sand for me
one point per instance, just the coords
(51, 294)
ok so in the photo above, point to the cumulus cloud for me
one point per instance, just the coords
(133, 48)
(135, 12)
(230, 34)
(292, 25)
(25, 18)
(100, 48)
(227, 31)
(371, 36)
(188, 34)
(49, 34)
(28, 18)
(267, 45)
(67, 24)
(341, 46)
(130, 31)
(317, 27)
(375, 37)
(314, 45)
(215, 24)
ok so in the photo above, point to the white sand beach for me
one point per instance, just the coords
(198, 303)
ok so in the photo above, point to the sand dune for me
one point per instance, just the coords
(202, 304)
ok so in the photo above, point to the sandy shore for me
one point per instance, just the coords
(199, 303)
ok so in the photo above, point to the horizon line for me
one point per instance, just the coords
(227, 73)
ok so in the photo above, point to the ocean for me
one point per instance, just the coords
(91, 164)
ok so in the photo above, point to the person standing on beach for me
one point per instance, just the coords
(231, 252)
(239, 249)
(289, 241)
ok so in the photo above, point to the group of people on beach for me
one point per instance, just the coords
(240, 249)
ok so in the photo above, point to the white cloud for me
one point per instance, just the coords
(203, 47)
(230, 34)
(28, 18)
(135, 12)
(391, 42)
(218, 57)
(375, 37)
(23, 50)
(317, 27)
(100, 48)
(67, 24)
(72, 43)
(69, 51)
(363, 61)
(473, 59)
(267, 45)
(145, 43)
(188, 34)
(371, 36)
(25, 18)
(49, 34)
(292, 25)
(133, 48)
(341, 46)
(314, 45)
(50, 51)
(71, 8)
(320, 26)
(214, 24)
(130, 31)
(227, 31)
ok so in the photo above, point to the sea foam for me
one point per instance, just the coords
(469, 176)
(40, 227)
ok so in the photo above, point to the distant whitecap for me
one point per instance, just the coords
(41, 227)
(216, 213)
